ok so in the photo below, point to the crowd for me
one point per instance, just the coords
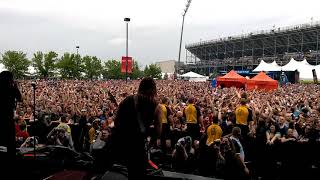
(210, 131)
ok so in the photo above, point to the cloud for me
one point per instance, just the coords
(154, 30)
(118, 41)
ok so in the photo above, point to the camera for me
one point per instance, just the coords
(180, 144)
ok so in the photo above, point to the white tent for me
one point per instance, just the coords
(317, 67)
(306, 62)
(291, 66)
(305, 70)
(275, 64)
(31, 70)
(194, 77)
(303, 67)
(273, 67)
(263, 66)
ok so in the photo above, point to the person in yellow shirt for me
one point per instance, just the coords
(192, 114)
(244, 117)
(167, 123)
(214, 132)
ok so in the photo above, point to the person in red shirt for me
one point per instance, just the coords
(23, 133)
(17, 127)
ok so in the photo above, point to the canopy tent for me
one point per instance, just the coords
(31, 71)
(276, 66)
(292, 65)
(232, 79)
(262, 81)
(305, 62)
(263, 66)
(305, 70)
(194, 77)
(317, 68)
(303, 67)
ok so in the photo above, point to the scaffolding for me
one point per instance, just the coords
(245, 52)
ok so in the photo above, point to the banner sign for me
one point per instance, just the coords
(123, 64)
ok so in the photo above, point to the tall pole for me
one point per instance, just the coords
(77, 47)
(78, 59)
(127, 53)
(178, 69)
(127, 20)
(183, 15)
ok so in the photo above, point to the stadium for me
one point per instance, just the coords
(245, 51)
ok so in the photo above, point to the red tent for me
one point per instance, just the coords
(262, 81)
(232, 79)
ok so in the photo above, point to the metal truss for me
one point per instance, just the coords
(244, 52)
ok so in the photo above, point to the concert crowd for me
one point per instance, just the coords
(213, 132)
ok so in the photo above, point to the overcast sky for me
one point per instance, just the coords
(97, 26)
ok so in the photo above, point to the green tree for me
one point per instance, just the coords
(136, 72)
(112, 70)
(92, 67)
(70, 66)
(153, 71)
(214, 74)
(16, 62)
(45, 63)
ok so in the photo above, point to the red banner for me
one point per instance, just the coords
(123, 64)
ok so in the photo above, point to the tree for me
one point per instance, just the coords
(92, 66)
(112, 70)
(16, 62)
(214, 74)
(45, 63)
(153, 71)
(70, 66)
(136, 72)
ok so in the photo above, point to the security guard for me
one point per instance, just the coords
(244, 117)
(214, 131)
(167, 122)
(193, 118)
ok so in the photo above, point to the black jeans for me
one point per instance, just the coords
(193, 130)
